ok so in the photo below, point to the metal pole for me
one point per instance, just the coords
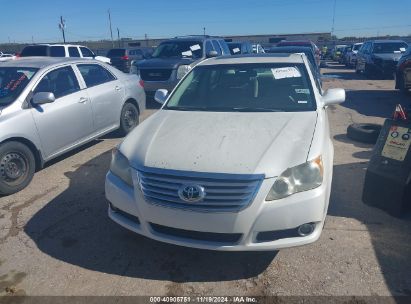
(111, 30)
(118, 37)
(332, 28)
(62, 28)
(204, 30)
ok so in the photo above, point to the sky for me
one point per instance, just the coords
(37, 20)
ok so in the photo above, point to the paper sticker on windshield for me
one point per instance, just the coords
(288, 72)
(302, 91)
(236, 50)
(302, 101)
(195, 47)
(187, 53)
(402, 49)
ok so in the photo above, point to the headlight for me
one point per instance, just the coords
(120, 167)
(301, 178)
(134, 69)
(182, 70)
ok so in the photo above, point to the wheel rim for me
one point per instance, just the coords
(130, 118)
(13, 168)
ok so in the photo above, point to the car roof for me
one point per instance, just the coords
(53, 44)
(387, 41)
(41, 62)
(254, 58)
(295, 48)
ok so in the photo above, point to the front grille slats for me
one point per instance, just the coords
(223, 192)
(155, 74)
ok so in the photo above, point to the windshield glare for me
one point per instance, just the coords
(270, 87)
(395, 47)
(191, 49)
(12, 83)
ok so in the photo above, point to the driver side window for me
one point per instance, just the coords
(60, 82)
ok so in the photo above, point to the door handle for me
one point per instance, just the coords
(82, 100)
(117, 88)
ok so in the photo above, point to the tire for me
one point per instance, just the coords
(364, 132)
(17, 167)
(129, 119)
(400, 84)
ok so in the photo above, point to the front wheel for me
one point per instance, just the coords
(17, 167)
(129, 118)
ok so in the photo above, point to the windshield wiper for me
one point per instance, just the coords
(250, 109)
(186, 108)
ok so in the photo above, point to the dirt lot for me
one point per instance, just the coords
(56, 238)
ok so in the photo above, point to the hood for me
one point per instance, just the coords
(103, 59)
(163, 63)
(216, 142)
(389, 56)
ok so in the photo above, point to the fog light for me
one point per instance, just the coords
(306, 229)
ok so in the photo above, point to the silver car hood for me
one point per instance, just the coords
(241, 143)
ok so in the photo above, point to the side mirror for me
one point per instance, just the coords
(161, 96)
(42, 98)
(212, 54)
(333, 96)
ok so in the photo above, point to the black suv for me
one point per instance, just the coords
(122, 58)
(380, 57)
(173, 58)
(241, 47)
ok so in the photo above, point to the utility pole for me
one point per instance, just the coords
(146, 38)
(204, 31)
(332, 28)
(111, 30)
(118, 37)
(62, 26)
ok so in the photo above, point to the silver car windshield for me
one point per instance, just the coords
(282, 87)
(12, 82)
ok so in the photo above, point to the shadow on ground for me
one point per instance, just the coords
(74, 227)
(391, 237)
(380, 103)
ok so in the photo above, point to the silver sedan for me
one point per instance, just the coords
(49, 106)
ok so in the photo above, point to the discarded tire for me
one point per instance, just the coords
(364, 132)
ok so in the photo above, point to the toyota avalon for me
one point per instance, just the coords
(238, 158)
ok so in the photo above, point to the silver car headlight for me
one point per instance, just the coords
(182, 70)
(301, 178)
(120, 167)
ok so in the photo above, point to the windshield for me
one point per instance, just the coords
(392, 47)
(356, 47)
(12, 82)
(184, 48)
(235, 48)
(280, 87)
(34, 50)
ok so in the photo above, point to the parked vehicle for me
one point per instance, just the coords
(61, 50)
(306, 43)
(241, 47)
(337, 52)
(344, 54)
(403, 72)
(351, 60)
(310, 56)
(173, 58)
(6, 57)
(379, 58)
(49, 106)
(122, 58)
(258, 49)
(239, 158)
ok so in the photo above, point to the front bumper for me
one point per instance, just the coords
(129, 209)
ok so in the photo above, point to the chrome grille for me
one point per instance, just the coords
(223, 192)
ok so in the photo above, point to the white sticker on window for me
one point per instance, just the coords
(195, 47)
(402, 49)
(302, 91)
(287, 72)
(302, 101)
(187, 53)
(236, 50)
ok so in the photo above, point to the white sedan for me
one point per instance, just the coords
(238, 158)
(6, 57)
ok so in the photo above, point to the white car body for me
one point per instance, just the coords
(249, 148)
(352, 56)
(6, 57)
(83, 51)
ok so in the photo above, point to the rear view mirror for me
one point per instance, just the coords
(161, 96)
(42, 98)
(212, 54)
(333, 96)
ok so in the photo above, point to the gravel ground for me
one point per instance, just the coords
(56, 238)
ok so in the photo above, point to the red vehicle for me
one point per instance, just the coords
(305, 43)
